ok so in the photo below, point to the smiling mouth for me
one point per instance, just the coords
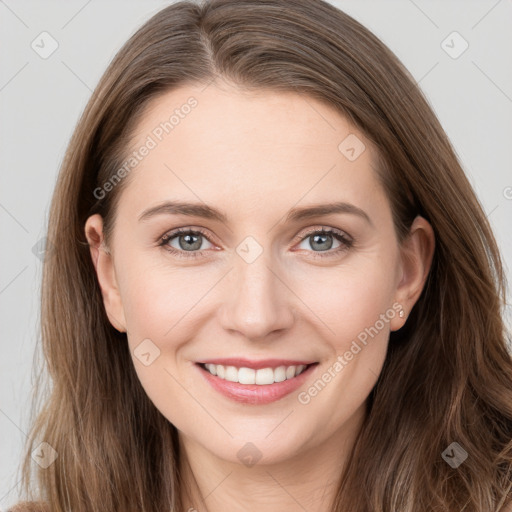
(261, 377)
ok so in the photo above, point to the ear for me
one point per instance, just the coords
(105, 271)
(417, 252)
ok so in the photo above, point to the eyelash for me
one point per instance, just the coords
(346, 242)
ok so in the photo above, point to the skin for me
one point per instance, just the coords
(255, 156)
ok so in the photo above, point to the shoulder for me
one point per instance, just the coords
(30, 506)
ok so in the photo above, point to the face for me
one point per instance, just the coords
(291, 307)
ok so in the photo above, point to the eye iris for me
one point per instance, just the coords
(188, 237)
(322, 237)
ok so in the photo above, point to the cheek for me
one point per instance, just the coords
(355, 307)
(350, 298)
(158, 297)
(159, 302)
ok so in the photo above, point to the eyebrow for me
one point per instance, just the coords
(208, 212)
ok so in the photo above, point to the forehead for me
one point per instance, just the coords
(216, 143)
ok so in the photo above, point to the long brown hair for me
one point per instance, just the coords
(447, 376)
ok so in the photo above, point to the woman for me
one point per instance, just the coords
(273, 287)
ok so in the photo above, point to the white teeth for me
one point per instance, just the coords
(212, 368)
(290, 372)
(231, 374)
(262, 377)
(247, 376)
(280, 374)
(265, 376)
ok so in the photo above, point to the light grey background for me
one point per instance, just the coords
(41, 100)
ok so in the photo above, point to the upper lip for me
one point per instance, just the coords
(256, 365)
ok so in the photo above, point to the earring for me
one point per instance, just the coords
(401, 314)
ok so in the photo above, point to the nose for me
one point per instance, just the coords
(258, 302)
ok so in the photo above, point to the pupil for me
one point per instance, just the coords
(188, 239)
(318, 245)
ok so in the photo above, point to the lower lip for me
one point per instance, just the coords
(253, 393)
